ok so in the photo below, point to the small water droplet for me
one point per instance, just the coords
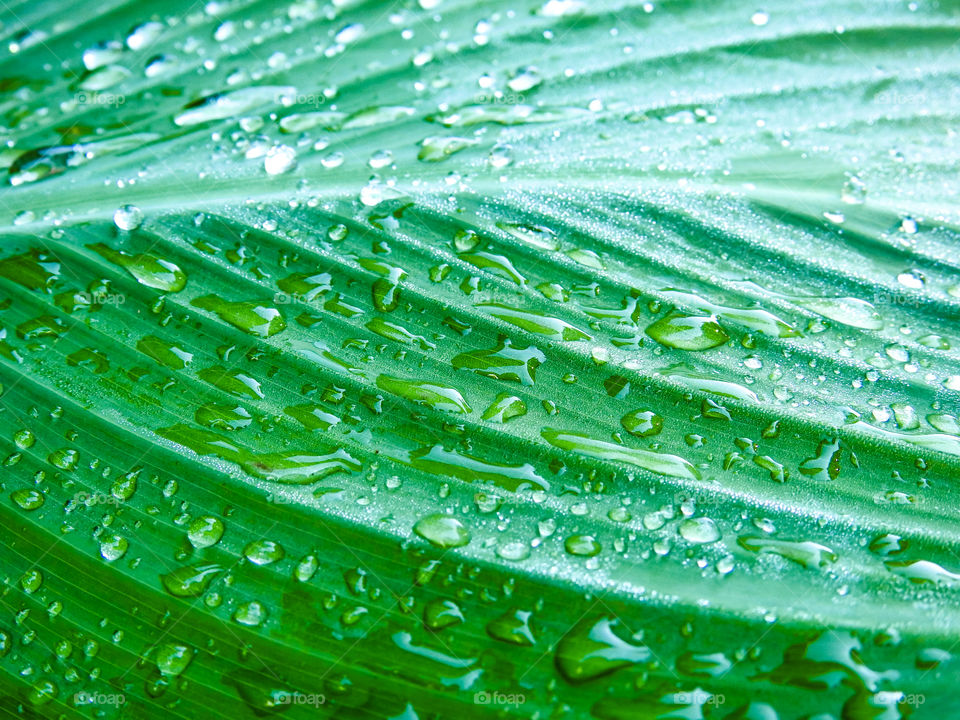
(279, 160)
(128, 217)
(444, 531)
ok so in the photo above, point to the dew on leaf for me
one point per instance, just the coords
(443, 531)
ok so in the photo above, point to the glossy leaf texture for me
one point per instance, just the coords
(455, 359)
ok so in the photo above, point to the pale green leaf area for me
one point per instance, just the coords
(547, 359)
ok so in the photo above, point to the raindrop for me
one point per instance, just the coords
(129, 217)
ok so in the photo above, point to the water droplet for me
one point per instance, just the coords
(439, 614)
(659, 463)
(524, 79)
(103, 53)
(685, 332)
(854, 191)
(699, 530)
(806, 553)
(128, 217)
(642, 423)
(593, 649)
(263, 552)
(251, 614)
(279, 160)
(513, 627)
(435, 149)
(251, 317)
(582, 545)
(173, 658)
(149, 270)
(190, 581)
(443, 531)
(113, 547)
(205, 531)
(514, 550)
(505, 407)
(24, 439)
(144, 35)
(560, 8)
(436, 396)
(28, 498)
(231, 104)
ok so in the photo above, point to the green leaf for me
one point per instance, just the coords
(445, 359)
